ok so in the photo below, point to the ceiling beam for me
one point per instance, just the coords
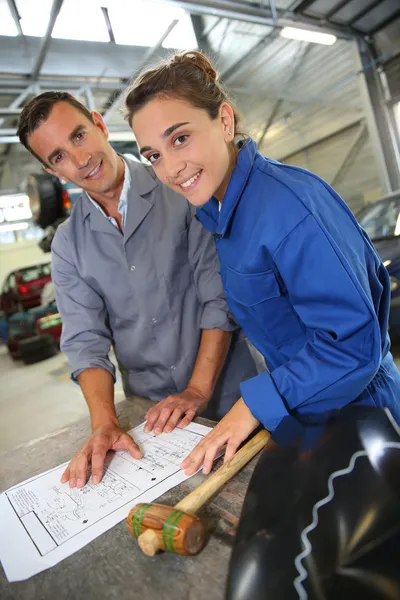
(61, 82)
(106, 16)
(55, 10)
(385, 23)
(10, 111)
(117, 100)
(364, 12)
(333, 10)
(318, 141)
(351, 153)
(260, 15)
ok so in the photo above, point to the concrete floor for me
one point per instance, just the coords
(37, 400)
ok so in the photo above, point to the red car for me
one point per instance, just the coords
(22, 288)
(34, 335)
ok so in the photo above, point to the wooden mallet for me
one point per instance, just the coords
(177, 529)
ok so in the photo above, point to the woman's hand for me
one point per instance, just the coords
(232, 430)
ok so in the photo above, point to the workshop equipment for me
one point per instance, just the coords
(177, 529)
(321, 517)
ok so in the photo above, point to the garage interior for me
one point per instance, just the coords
(331, 109)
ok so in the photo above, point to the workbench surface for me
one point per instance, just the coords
(112, 566)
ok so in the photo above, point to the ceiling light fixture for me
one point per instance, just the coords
(306, 35)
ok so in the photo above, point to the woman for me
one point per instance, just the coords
(301, 277)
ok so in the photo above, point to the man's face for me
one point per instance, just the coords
(77, 149)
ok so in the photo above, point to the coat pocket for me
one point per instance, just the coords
(260, 305)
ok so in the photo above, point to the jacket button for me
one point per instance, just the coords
(133, 267)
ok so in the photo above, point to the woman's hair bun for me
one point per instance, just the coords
(193, 57)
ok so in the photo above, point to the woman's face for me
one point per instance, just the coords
(190, 152)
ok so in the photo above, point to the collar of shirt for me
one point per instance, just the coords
(215, 216)
(123, 200)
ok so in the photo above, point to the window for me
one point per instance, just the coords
(35, 273)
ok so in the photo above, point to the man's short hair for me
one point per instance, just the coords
(37, 111)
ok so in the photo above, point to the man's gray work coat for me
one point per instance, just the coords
(149, 292)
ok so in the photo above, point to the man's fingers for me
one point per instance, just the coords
(98, 456)
(65, 475)
(126, 442)
(80, 469)
(163, 417)
(133, 448)
(188, 418)
(173, 420)
(151, 418)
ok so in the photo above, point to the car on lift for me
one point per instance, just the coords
(34, 335)
(381, 220)
(23, 287)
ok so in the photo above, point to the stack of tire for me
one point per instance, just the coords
(46, 197)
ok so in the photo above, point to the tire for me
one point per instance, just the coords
(37, 348)
(46, 241)
(45, 198)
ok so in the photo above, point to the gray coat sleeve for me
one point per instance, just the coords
(86, 338)
(204, 260)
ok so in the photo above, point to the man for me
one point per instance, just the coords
(132, 268)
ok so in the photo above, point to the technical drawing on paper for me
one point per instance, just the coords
(53, 513)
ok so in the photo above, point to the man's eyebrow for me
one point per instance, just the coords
(166, 134)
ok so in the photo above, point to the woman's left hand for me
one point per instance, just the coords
(232, 430)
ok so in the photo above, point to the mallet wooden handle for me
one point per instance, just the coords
(195, 500)
(149, 540)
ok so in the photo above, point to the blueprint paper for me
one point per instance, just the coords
(42, 521)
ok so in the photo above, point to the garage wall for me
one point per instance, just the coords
(312, 95)
(21, 254)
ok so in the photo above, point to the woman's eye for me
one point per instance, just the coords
(181, 139)
(153, 157)
(58, 158)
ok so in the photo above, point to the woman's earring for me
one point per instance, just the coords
(230, 132)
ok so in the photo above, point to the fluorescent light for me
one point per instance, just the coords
(16, 213)
(11, 200)
(306, 35)
(13, 227)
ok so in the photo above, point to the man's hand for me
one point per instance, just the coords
(232, 430)
(177, 408)
(104, 438)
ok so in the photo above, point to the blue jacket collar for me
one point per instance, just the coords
(218, 222)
